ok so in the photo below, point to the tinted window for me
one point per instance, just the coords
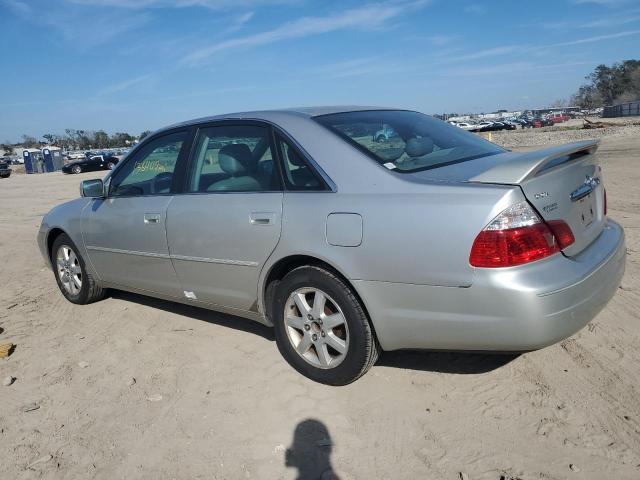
(150, 170)
(233, 158)
(407, 141)
(298, 175)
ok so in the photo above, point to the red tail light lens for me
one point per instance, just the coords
(562, 232)
(517, 236)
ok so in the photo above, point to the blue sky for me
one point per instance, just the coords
(132, 65)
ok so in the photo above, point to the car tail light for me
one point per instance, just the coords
(518, 236)
(562, 232)
(605, 201)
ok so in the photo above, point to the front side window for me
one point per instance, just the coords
(233, 158)
(150, 171)
(407, 141)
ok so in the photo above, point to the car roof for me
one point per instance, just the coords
(277, 114)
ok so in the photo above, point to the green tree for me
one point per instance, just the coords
(608, 85)
(146, 133)
(121, 139)
(587, 97)
(29, 142)
(52, 139)
(101, 139)
(7, 147)
(560, 103)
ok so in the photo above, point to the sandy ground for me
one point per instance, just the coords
(213, 399)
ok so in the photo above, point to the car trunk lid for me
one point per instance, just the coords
(562, 183)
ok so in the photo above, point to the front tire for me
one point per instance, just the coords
(321, 328)
(76, 169)
(75, 283)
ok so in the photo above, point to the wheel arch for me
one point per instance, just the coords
(52, 234)
(286, 264)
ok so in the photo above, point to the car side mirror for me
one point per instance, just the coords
(92, 188)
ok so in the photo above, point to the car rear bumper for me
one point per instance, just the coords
(505, 309)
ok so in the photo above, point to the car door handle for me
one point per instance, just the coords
(151, 218)
(262, 218)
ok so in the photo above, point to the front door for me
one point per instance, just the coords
(125, 233)
(225, 225)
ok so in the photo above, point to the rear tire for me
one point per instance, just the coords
(110, 165)
(75, 283)
(76, 169)
(336, 342)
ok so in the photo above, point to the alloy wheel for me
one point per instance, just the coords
(316, 327)
(69, 270)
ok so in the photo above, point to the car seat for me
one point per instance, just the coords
(301, 176)
(237, 161)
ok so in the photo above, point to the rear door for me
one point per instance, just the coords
(125, 233)
(227, 222)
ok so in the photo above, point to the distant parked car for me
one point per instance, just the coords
(5, 169)
(558, 117)
(490, 126)
(96, 162)
(384, 135)
(509, 125)
(470, 127)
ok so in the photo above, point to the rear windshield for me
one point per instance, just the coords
(407, 141)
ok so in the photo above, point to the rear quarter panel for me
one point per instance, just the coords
(421, 234)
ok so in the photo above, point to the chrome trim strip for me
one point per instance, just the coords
(241, 263)
(585, 189)
(128, 252)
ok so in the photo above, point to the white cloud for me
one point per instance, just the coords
(489, 52)
(604, 21)
(608, 3)
(597, 38)
(124, 85)
(536, 50)
(238, 22)
(441, 40)
(508, 68)
(213, 4)
(358, 67)
(368, 16)
(476, 9)
(17, 6)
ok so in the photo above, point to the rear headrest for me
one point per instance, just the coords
(294, 158)
(417, 147)
(235, 158)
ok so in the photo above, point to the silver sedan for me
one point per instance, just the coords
(346, 240)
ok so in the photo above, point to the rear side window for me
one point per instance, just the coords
(407, 141)
(298, 175)
(233, 158)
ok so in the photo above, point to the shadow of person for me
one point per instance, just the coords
(310, 452)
